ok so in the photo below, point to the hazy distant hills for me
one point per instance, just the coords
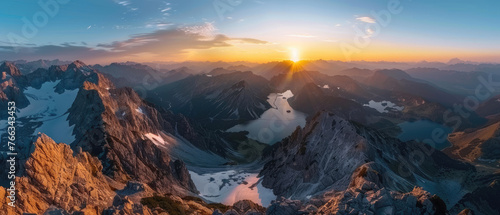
(399, 81)
(135, 74)
(312, 98)
(459, 82)
(29, 66)
(228, 97)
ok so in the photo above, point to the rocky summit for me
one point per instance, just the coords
(335, 166)
(58, 177)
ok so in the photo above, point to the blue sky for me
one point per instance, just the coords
(425, 29)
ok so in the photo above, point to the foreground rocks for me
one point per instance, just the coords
(56, 177)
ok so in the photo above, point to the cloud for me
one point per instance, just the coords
(159, 25)
(207, 30)
(123, 3)
(164, 43)
(302, 35)
(366, 19)
(369, 33)
(249, 40)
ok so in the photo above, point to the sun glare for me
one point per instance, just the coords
(294, 55)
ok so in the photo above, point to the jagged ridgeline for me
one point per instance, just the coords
(86, 146)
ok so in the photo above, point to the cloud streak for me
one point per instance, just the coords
(366, 19)
(165, 43)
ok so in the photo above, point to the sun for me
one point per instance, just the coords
(294, 55)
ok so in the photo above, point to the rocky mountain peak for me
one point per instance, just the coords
(78, 64)
(10, 69)
(114, 124)
(326, 152)
(366, 195)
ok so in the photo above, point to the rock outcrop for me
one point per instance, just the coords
(479, 145)
(483, 200)
(112, 124)
(366, 195)
(10, 90)
(334, 166)
(55, 177)
(324, 154)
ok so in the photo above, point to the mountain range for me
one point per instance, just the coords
(131, 138)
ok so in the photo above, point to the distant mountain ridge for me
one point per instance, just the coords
(237, 97)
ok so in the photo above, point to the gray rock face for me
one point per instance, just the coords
(111, 124)
(483, 200)
(366, 196)
(322, 157)
(284, 207)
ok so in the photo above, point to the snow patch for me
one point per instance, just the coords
(326, 87)
(140, 110)
(51, 109)
(383, 106)
(487, 160)
(156, 139)
(288, 94)
(228, 187)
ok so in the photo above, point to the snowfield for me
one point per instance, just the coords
(383, 106)
(228, 187)
(51, 109)
(156, 139)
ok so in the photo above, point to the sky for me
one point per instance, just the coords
(103, 31)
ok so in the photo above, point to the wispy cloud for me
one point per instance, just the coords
(207, 29)
(159, 25)
(166, 9)
(366, 19)
(369, 33)
(124, 3)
